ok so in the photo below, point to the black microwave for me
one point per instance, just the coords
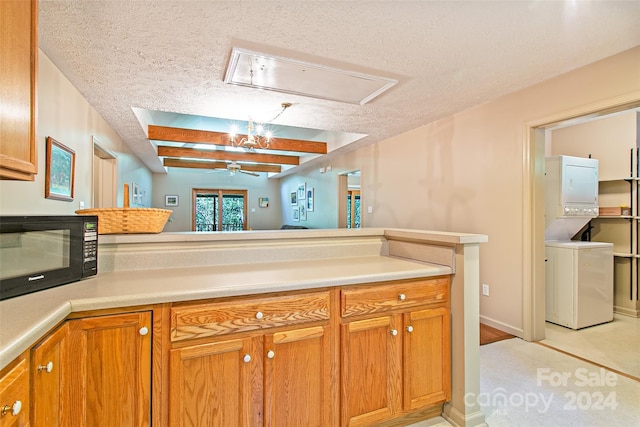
(40, 252)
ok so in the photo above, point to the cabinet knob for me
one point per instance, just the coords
(247, 358)
(259, 315)
(394, 332)
(402, 297)
(15, 408)
(144, 331)
(47, 368)
(409, 328)
(271, 354)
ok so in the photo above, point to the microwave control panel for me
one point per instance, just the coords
(90, 249)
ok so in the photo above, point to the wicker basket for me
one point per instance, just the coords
(128, 220)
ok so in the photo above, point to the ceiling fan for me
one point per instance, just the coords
(234, 167)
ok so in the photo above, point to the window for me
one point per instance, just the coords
(353, 209)
(219, 210)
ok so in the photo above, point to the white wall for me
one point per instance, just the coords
(180, 182)
(466, 173)
(325, 204)
(66, 116)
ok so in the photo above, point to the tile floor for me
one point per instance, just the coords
(615, 345)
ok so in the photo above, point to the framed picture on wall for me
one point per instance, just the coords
(302, 191)
(296, 214)
(294, 198)
(303, 212)
(60, 171)
(263, 202)
(310, 199)
(170, 200)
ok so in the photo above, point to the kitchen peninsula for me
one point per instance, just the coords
(248, 299)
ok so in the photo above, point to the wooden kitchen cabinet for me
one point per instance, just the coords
(14, 394)
(48, 366)
(110, 379)
(94, 371)
(395, 347)
(254, 362)
(216, 384)
(18, 67)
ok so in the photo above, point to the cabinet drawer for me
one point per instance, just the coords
(14, 396)
(205, 320)
(376, 298)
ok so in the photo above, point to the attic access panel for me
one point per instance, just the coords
(269, 72)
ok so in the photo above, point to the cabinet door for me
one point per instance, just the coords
(14, 395)
(217, 384)
(110, 370)
(298, 378)
(427, 358)
(371, 370)
(47, 367)
(18, 50)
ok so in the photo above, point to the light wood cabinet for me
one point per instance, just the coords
(263, 361)
(110, 383)
(14, 394)
(216, 384)
(18, 54)
(48, 366)
(398, 362)
(94, 371)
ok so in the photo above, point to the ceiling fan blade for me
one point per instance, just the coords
(249, 173)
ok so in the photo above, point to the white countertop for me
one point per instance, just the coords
(24, 320)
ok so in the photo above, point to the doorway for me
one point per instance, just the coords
(104, 177)
(535, 327)
(219, 210)
(349, 200)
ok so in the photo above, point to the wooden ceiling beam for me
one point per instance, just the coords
(194, 136)
(194, 153)
(194, 164)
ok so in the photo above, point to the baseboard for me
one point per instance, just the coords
(518, 332)
(626, 311)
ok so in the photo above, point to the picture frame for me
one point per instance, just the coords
(171, 200)
(263, 202)
(303, 212)
(60, 171)
(296, 214)
(294, 198)
(137, 194)
(310, 194)
(302, 191)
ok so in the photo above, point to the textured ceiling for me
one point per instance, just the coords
(171, 56)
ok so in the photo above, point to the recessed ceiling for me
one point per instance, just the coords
(288, 75)
(171, 56)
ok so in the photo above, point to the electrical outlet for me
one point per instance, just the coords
(485, 289)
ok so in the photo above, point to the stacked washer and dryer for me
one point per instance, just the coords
(578, 274)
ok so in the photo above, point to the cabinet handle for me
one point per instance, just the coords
(402, 297)
(271, 354)
(144, 331)
(247, 358)
(48, 367)
(259, 315)
(409, 328)
(15, 408)
(394, 332)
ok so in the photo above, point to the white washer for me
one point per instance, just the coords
(579, 283)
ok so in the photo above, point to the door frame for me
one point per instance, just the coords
(533, 301)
